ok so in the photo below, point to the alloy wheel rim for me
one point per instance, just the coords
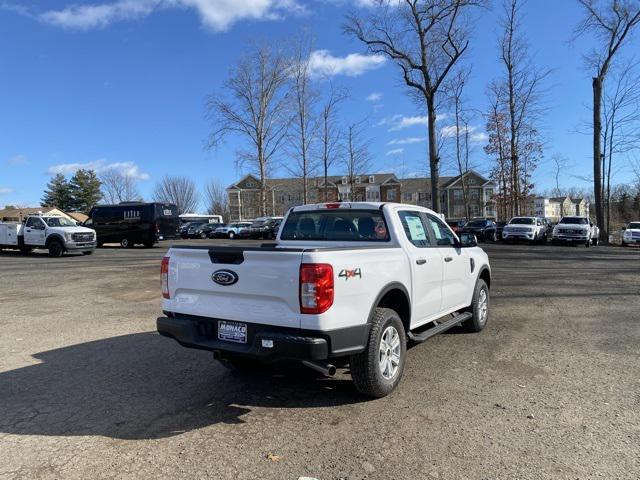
(389, 353)
(483, 306)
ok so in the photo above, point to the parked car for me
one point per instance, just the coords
(456, 225)
(56, 234)
(631, 234)
(206, 230)
(499, 228)
(131, 223)
(530, 229)
(230, 230)
(265, 228)
(192, 229)
(575, 230)
(484, 230)
(348, 283)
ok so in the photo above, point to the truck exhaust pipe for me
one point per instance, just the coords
(326, 369)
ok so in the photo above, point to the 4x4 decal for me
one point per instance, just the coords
(350, 273)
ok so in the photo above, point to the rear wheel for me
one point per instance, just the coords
(126, 243)
(377, 371)
(55, 248)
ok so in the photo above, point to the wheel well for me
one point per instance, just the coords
(54, 238)
(486, 276)
(397, 300)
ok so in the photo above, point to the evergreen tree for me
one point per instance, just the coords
(58, 193)
(85, 190)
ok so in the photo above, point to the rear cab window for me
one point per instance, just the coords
(339, 224)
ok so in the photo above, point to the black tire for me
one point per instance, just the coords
(203, 235)
(56, 249)
(148, 244)
(366, 370)
(100, 244)
(479, 318)
(90, 252)
(232, 235)
(126, 243)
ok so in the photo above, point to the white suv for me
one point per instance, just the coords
(531, 229)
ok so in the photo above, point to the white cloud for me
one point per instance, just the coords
(18, 160)
(5, 190)
(374, 97)
(474, 136)
(479, 137)
(407, 141)
(395, 151)
(126, 168)
(322, 63)
(218, 15)
(400, 122)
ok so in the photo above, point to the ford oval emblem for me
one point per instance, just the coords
(224, 277)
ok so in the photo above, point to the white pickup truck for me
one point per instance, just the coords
(345, 283)
(57, 234)
(576, 230)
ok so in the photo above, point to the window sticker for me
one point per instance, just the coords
(416, 229)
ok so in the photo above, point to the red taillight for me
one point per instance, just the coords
(332, 205)
(164, 277)
(316, 287)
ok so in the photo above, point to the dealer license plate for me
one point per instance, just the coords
(232, 331)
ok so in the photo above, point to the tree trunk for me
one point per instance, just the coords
(434, 159)
(597, 165)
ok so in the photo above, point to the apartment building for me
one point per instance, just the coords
(554, 208)
(284, 193)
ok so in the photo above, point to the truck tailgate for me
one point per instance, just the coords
(264, 289)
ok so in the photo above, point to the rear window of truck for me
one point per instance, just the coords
(336, 225)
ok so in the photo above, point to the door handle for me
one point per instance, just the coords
(421, 261)
(448, 259)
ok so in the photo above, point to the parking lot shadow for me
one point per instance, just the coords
(145, 386)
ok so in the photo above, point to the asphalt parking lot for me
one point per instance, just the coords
(550, 389)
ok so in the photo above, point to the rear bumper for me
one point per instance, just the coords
(265, 341)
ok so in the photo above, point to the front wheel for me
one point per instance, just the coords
(377, 371)
(55, 249)
(232, 235)
(479, 308)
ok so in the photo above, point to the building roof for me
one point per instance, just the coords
(21, 213)
(78, 217)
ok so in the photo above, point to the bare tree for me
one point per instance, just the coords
(330, 138)
(621, 115)
(181, 191)
(560, 164)
(497, 126)
(425, 39)
(118, 187)
(521, 91)
(257, 110)
(611, 22)
(455, 89)
(357, 160)
(215, 196)
(304, 127)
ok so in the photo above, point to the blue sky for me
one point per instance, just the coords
(122, 83)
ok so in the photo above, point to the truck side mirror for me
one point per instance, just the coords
(468, 240)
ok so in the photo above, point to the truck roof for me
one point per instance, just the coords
(358, 205)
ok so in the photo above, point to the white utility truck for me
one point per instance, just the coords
(55, 233)
(575, 230)
(344, 284)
